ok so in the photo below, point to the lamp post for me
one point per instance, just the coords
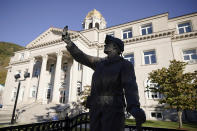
(17, 76)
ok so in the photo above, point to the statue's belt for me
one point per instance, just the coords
(107, 100)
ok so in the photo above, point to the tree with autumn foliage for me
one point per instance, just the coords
(179, 89)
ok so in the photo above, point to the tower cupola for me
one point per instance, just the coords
(94, 19)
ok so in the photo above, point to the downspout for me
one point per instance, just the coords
(171, 45)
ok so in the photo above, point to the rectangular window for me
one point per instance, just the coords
(153, 95)
(111, 34)
(62, 96)
(184, 27)
(48, 93)
(130, 58)
(146, 29)
(150, 94)
(33, 91)
(51, 68)
(150, 57)
(36, 72)
(22, 56)
(127, 34)
(157, 115)
(190, 55)
(65, 66)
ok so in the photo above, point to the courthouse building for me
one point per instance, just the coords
(56, 78)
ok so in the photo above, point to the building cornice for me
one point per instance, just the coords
(143, 38)
(184, 36)
(153, 36)
(25, 61)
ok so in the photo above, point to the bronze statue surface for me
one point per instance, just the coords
(113, 86)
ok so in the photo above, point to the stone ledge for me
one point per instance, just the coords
(184, 36)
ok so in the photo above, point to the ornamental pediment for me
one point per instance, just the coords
(52, 34)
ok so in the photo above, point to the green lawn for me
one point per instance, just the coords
(159, 124)
(165, 124)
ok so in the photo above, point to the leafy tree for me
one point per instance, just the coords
(179, 89)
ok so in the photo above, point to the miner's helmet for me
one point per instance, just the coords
(110, 39)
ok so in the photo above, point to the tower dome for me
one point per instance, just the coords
(94, 19)
(94, 13)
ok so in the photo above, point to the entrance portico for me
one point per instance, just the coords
(50, 74)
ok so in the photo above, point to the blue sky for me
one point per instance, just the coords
(21, 21)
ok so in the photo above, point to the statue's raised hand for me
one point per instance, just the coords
(66, 36)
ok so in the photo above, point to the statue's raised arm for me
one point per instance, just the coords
(77, 54)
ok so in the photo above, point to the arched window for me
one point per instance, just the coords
(97, 25)
(90, 25)
(149, 93)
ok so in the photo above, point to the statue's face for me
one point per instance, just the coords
(110, 48)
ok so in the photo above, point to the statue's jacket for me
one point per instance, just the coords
(113, 80)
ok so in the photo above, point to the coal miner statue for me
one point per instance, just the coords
(113, 86)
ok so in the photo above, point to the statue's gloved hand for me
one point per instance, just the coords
(138, 114)
(66, 36)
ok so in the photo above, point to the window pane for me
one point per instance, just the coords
(153, 59)
(186, 57)
(188, 29)
(129, 34)
(143, 31)
(153, 114)
(150, 30)
(48, 93)
(181, 25)
(181, 30)
(194, 56)
(184, 24)
(145, 26)
(146, 53)
(124, 36)
(189, 52)
(146, 58)
(149, 53)
(159, 115)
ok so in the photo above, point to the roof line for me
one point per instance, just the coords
(137, 20)
(183, 15)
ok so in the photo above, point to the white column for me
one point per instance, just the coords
(57, 81)
(73, 82)
(42, 86)
(30, 70)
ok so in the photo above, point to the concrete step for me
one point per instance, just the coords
(5, 119)
(5, 115)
